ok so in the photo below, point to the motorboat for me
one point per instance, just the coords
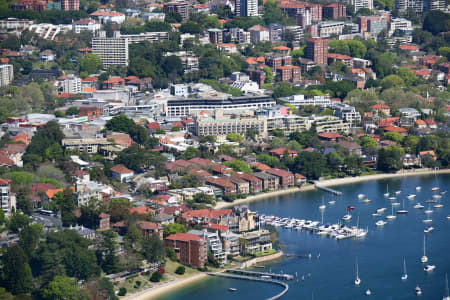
(431, 201)
(332, 202)
(368, 292)
(429, 268)
(380, 223)
(392, 198)
(427, 220)
(418, 290)
(418, 188)
(395, 203)
(439, 205)
(419, 206)
(437, 196)
(448, 217)
(428, 229)
(347, 217)
(435, 189)
(381, 210)
(376, 215)
(411, 196)
(424, 258)
(366, 201)
(360, 196)
(323, 206)
(232, 289)
(398, 192)
(404, 275)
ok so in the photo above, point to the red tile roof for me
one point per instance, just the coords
(145, 225)
(279, 172)
(140, 210)
(184, 237)
(395, 129)
(260, 166)
(201, 161)
(206, 213)
(430, 122)
(121, 169)
(329, 135)
(408, 47)
(221, 228)
(338, 56)
(5, 181)
(380, 106)
(281, 151)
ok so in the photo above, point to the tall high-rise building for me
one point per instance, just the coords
(317, 50)
(112, 51)
(246, 8)
(433, 5)
(70, 4)
(181, 8)
(6, 75)
(8, 200)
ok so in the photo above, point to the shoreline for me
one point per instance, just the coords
(330, 182)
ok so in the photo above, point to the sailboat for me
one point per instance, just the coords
(411, 196)
(418, 206)
(405, 275)
(424, 258)
(387, 191)
(435, 188)
(323, 206)
(391, 216)
(403, 210)
(447, 294)
(429, 210)
(360, 196)
(357, 280)
(332, 202)
(418, 188)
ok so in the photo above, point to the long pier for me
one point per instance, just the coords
(254, 278)
(267, 275)
(327, 189)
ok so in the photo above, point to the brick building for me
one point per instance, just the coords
(317, 50)
(334, 11)
(190, 248)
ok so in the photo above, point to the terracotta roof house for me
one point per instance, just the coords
(150, 228)
(351, 147)
(140, 210)
(190, 248)
(259, 166)
(201, 162)
(421, 123)
(280, 152)
(256, 184)
(429, 152)
(121, 173)
(221, 169)
(330, 136)
(286, 178)
(22, 137)
(400, 130)
(226, 186)
(431, 123)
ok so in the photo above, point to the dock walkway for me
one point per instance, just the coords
(254, 278)
(327, 189)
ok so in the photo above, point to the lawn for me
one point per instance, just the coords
(171, 266)
(265, 253)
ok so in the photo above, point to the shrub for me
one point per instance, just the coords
(180, 270)
(122, 291)
(170, 253)
(156, 277)
(137, 284)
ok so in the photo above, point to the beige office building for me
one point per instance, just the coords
(112, 51)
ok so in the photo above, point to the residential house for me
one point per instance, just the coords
(255, 184)
(47, 55)
(121, 173)
(227, 187)
(352, 148)
(286, 178)
(150, 228)
(410, 160)
(256, 241)
(242, 186)
(269, 182)
(280, 152)
(214, 243)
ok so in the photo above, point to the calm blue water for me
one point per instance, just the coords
(380, 253)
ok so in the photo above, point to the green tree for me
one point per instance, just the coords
(72, 111)
(238, 166)
(45, 137)
(436, 21)
(23, 201)
(153, 249)
(392, 81)
(389, 159)
(180, 270)
(16, 271)
(29, 238)
(156, 277)
(235, 137)
(91, 63)
(62, 287)
(393, 136)
(367, 141)
(191, 152)
(174, 228)
(120, 123)
(204, 198)
(18, 222)
(269, 74)
(310, 164)
(106, 252)
(409, 78)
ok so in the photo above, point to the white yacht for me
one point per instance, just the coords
(381, 210)
(411, 196)
(447, 294)
(331, 202)
(419, 206)
(403, 210)
(398, 192)
(439, 205)
(424, 258)
(391, 216)
(360, 196)
(428, 229)
(437, 197)
(448, 217)
(395, 203)
(404, 275)
(357, 279)
(387, 191)
(418, 291)
(323, 206)
(429, 268)
(380, 223)
(368, 292)
(366, 201)
(347, 217)
(392, 198)
(418, 188)
(427, 220)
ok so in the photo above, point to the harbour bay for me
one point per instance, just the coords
(380, 254)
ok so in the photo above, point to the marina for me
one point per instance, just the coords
(381, 253)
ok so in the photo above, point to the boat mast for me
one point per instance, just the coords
(357, 273)
(424, 245)
(404, 266)
(446, 286)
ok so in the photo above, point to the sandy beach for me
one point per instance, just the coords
(330, 182)
(166, 287)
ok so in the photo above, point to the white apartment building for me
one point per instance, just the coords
(246, 8)
(8, 201)
(288, 123)
(346, 112)
(70, 84)
(185, 107)
(6, 74)
(214, 244)
(399, 24)
(296, 31)
(221, 124)
(259, 34)
(329, 28)
(13, 24)
(300, 100)
(49, 31)
(86, 24)
(330, 124)
(358, 4)
(154, 37)
(112, 51)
